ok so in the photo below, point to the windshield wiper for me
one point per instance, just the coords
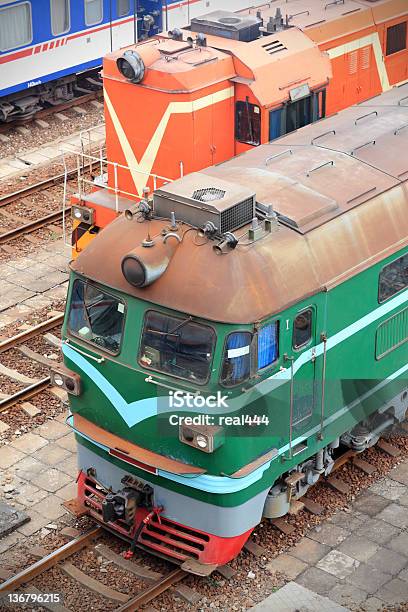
(173, 332)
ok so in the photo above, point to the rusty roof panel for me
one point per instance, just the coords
(348, 212)
(258, 280)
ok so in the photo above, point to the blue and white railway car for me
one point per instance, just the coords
(45, 43)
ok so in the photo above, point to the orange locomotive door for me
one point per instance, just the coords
(360, 68)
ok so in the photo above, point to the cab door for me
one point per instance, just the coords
(305, 395)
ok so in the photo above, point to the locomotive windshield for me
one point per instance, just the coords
(179, 347)
(96, 316)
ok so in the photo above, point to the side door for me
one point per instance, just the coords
(305, 392)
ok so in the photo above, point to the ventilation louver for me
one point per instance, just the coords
(228, 25)
(209, 194)
(274, 46)
(227, 205)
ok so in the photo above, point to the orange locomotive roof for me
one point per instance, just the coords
(174, 66)
(277, 63)
(326, 20)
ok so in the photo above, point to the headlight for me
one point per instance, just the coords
(85, 214)
(131, 66)
(206, 438)
(65, 379)
(202, 442)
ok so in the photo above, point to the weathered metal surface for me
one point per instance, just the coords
(135, 452)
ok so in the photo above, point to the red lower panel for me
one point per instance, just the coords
(163, 536)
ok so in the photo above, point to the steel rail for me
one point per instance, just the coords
(153, 591)
(24, 394)
(32, 226)
(5, 126)
(9, 198)
(42, 565)
(44, 326)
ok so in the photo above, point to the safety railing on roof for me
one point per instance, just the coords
(93, 170)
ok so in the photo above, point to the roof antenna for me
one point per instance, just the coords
(173, 225)
(148, 241)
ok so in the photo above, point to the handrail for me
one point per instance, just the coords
(366, 115)
(271, 157)
(402, 127)
(321, 135)
(328, 163)
(363, 145)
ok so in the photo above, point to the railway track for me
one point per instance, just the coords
(158, 583)
(32, 226)
(9, 343)
(9, 198)
(53, 217)
(128, 603)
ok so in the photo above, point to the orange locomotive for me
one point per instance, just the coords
(188, 99)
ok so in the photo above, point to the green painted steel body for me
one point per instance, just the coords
(343, 376)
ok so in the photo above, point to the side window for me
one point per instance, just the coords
(93, 12)
(396, 38)
(237, 359)
(248, 123)
(302, 328)
(60, 17)
(393, 278)
(268, 344)
(16, 27)
(122, 7)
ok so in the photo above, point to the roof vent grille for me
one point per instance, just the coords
(228, 25)
(237, 215)
(209, 194)
(274, 47)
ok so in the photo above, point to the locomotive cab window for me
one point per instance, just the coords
(393, 278)
(96, 316)
(302, 329)
(16, 27)
(178, 347)
(268, 345)
(93, 12)
(396, 38)
(248, 123)
(236, 365)
(60, 16)
(123, 7)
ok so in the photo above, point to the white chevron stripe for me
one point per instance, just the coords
(140, 170)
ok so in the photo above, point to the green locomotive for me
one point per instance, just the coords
(267, 298)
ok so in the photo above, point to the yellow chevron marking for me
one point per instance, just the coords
(140, 171)
(359, 43)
